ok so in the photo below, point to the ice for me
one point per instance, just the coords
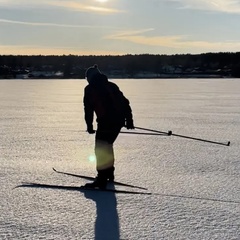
(195, 185)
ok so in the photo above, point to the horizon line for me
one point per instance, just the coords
(115, 55)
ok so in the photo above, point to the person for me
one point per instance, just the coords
(113, 111)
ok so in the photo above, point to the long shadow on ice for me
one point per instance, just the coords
(73, 188)
(107, 221)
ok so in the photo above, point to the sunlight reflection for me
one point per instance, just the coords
(92, 158)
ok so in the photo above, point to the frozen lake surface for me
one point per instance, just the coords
(195, 185)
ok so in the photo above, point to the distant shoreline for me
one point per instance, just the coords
(209, 65)
(137, 78)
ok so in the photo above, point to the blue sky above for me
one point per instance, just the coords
(117, 27)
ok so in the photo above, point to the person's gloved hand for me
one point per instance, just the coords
(90, 129)
(129, 124)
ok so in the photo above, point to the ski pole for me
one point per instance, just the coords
(137, 133)
(178, 135)
(141, 133)
(169, 133)
(203, 140)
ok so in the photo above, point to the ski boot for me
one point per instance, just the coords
(110, 174)
(100, 181)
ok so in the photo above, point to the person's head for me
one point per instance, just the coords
(91, 72)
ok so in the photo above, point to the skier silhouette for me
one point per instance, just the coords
(112, 111)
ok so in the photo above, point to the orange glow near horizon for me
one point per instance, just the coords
(26, 50)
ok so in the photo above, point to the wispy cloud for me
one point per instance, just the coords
(84, 7)
(228, 6)
(178, 42)
(49, 24)
(72, 5)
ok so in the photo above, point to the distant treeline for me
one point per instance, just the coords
(72, 65)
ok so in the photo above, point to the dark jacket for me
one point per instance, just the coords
(107, 101)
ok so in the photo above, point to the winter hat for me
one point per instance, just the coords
(91, 72)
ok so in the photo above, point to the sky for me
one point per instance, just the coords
(118, 27)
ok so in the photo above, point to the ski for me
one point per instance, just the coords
(74, 175)
(92, 179)
(81, 188)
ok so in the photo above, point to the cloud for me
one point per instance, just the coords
(76, 6)
(48, 24)
(175, 42)
(73, 5)
(227, 6)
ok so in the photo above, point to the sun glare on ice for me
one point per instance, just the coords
(92, 158)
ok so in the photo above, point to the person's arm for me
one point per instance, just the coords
(127, 109)
(128, 114)
(88, 111)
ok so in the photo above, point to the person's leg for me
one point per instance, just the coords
(104, 146)
(105, 138)
(111, 139)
